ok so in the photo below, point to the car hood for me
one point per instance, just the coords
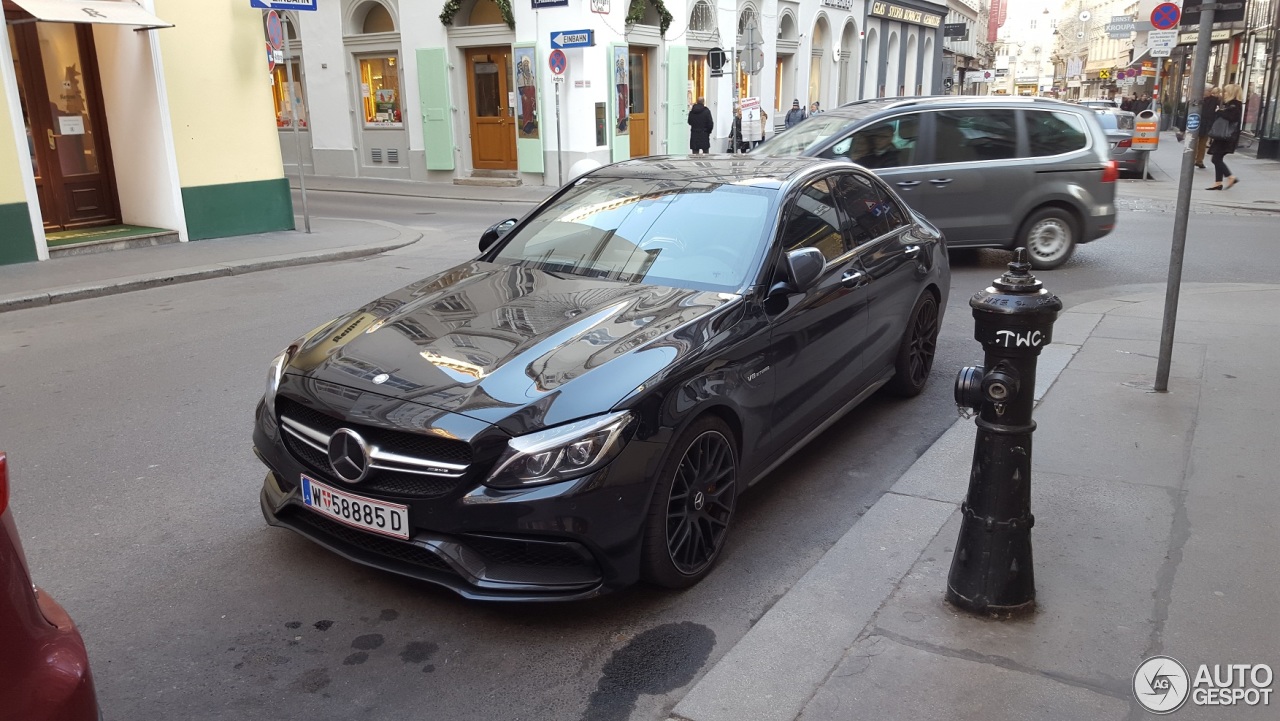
(513, 346)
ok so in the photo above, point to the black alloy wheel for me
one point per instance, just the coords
(693, 506)
(918, 348)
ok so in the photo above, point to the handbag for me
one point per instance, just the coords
(1222, 129)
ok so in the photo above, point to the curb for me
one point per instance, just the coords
(416, 189)
(128, 284)
(773, 671)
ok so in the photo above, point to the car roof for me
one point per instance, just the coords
(767, 172)
(865, 108)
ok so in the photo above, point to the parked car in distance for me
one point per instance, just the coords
(44, 668)
(1098, 103)
(987, 171)
(579, 407)
(1118, 125)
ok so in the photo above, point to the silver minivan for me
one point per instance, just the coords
(989, 172)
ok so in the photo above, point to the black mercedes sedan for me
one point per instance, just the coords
(580, 406)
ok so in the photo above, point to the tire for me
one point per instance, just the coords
(1050, 236)
(916, 352)
(692, 506)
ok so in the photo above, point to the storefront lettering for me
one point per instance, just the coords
(904, 14)
(842, 4)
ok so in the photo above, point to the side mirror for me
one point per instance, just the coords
(805, 265)
(495, 232)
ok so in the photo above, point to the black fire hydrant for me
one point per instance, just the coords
(991, 571)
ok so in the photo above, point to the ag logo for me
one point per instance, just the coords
(1161, 684)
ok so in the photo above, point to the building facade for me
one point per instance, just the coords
(464, 90)
(121, 120)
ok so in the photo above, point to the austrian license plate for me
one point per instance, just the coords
(389, 519)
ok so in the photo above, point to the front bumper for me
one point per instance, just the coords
(564, 541)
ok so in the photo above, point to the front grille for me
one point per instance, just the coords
(370, 542)
(410, 485)
(409, 444)
(513, 552)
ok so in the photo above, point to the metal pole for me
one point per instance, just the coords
(559, 147)
(1185, 177)
(293, 111)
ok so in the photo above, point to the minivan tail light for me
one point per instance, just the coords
(1111, 172)
(4, 483)
(1126, 143)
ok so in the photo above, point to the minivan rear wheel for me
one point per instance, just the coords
(1049, 235)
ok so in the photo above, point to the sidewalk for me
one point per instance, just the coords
(1258, 189)
(89, 276)
(421, 189)
(1155, 534)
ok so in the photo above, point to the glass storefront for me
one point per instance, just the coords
(285, 100)
(380, 90)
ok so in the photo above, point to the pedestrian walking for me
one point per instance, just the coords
(1224, 135)
(1208, 114)
(794, 115)
(700, 126)
(1127, 105)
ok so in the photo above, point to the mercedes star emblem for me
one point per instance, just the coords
(348, 455)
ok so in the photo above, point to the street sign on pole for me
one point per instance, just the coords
(293, 96)
(275, 32)
(283, 4)
(573, 39)
(1165, 16)
(558, 62)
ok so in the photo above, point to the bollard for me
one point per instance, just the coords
(1013, 319)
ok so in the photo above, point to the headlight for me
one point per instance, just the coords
(560, 453)
(274, 373)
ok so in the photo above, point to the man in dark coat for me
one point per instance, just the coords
(795, 114)
(700, 125)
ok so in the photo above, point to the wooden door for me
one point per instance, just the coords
(66, 124)
(638, 67)
(493, 128)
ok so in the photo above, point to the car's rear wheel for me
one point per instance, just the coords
(1049, 236)
(692, 506)
(916, 351)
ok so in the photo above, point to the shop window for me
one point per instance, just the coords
(285, 100)
(380, 90)
(697, 78)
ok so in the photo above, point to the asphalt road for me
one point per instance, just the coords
(128, 422)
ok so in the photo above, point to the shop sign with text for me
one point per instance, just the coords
(890, 11)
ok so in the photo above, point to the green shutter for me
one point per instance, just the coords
(677, 99)
(529, 153)
(620, 143)
(437, 115)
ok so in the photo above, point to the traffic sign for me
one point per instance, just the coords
(271, 58)
(275, 32)
(573, 39)
(558, 62)
(1165, 16)
(283, 4)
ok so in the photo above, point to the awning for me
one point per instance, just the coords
(105, 12)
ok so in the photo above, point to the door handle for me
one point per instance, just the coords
(53, 145)
(911, 251)
(907, 183)
(941, 181)
(854, 279)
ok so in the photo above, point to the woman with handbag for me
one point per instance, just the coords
(1224, 134)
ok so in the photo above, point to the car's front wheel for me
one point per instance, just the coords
(1049, 236)
(692, 506)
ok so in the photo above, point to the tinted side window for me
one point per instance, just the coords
(968, 135)
(895, 216)
(812, 221)
(1055, 132)
(870, 211)
(887, 144)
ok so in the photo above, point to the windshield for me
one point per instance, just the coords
(794, 141)
(815, 129)
(683, 234)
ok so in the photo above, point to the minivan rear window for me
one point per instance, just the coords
(1053, 132)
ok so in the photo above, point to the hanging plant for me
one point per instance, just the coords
(635, 13)
(452, 7)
